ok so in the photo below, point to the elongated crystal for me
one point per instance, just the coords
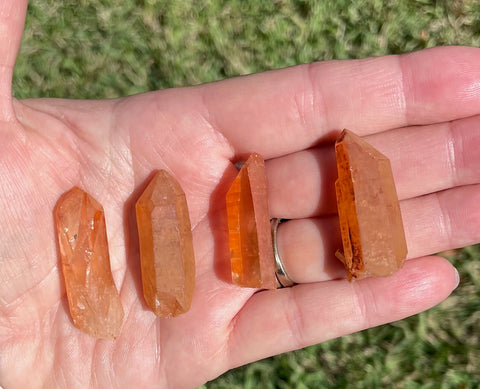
(166, 246)
(93, 299)
(249, 231)
(370, 220)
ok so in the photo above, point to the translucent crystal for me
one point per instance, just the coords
(166, 246)
(370, 220)
(250, 237)
(93, 299)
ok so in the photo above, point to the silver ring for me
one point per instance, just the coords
(283, 280)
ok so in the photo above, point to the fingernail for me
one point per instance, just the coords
(457, 279)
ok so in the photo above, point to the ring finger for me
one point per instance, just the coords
(433, 223)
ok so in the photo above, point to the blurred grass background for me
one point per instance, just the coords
(109, 48)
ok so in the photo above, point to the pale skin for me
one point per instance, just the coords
(290, 116)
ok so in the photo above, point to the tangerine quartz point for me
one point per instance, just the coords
(249, 231)
(370, 220)
(93, 299)
(166, 246)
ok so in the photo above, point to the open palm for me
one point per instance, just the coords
(109, 148)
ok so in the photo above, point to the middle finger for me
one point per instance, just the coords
(425, 159)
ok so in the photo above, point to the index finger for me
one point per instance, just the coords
(287, 110)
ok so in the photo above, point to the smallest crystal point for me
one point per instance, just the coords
(250, 237)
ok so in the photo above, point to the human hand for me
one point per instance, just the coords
(289, 116)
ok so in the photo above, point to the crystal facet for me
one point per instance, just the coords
(166, 246)
(370, 219)
(250, 237)
(93, 299)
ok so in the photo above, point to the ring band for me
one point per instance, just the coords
(283, 280)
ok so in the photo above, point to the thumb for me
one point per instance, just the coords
(12, 18)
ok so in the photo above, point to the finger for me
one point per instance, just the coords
(277, 321)
(287, 110)
(424, 159)
(432, 223)
(12, 17)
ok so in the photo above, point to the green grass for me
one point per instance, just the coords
(108, 48)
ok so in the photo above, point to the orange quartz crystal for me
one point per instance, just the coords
(249, 231)
(166, 246)
(370, 220)
(93, 299)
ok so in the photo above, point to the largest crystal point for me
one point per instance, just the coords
(370, 220)
(82, 237)
(250, 237)
(166, 246)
